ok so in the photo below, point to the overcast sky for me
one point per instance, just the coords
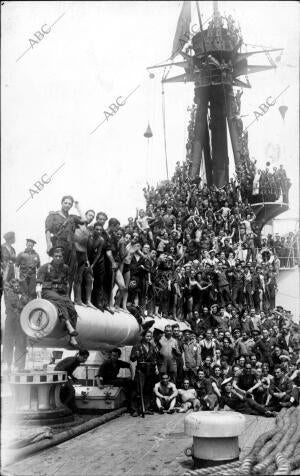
(55, 95)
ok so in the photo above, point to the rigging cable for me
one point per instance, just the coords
(227, 115)
(165, 74)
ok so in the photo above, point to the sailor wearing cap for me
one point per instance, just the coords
(52, 279)
(28, 262)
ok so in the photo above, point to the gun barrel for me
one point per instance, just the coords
(96, 330)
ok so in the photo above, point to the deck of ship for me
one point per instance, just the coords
(128, 446)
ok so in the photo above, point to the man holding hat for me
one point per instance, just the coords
(28, 263)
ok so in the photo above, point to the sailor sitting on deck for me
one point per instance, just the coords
(240, 403)
(52, 280)
(166, 393)
(281, 391)
(188, 397)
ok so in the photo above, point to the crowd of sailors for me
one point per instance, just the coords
(195, 254)
(248, 364)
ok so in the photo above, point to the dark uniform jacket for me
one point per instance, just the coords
(229, 354)
(69, 364)
(28, 261)
(109, 370)
(285, 343)
(246, 381)
(233, 402)
(264, 350)
(283, 384)
(54, 277)
(146, 358)
(62, 228)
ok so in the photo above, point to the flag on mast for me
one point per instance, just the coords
(182, 35)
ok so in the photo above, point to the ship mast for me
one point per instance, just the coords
(215, 9)
(215, 68)
(201, 30)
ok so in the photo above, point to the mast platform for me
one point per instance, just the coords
(266, 211)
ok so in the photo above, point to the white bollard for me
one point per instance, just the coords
(215, 436)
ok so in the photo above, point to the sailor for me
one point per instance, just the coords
(60, 228)
(205, 393)
(114, 259)
(165, 393)
(53, 278)
(108, 374)
(169, 351)
(146, 356)
(188, 397)
(14, 339)
(69, 365)
(96, 252)
(28, 263)
(109, 369)
(81, 237)
(239, 403)
(191, 356)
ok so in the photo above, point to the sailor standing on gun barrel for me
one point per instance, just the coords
(60, 229)
(53, 278)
